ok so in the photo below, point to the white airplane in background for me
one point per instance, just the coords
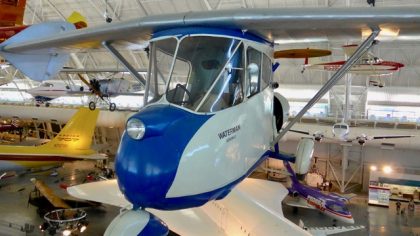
(341, 133)
(51, 89)
(107, 88)
(211, 116)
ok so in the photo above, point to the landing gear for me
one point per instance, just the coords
(92, 106)
(112, 106)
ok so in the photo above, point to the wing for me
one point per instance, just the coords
(98, 70)
(254, 203)
(191, 221)
(299, 131)
(390, 136)
(285, 25)
(298, 202)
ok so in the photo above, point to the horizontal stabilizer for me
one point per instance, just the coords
(299, 202)
(38, 64)
(103, 191)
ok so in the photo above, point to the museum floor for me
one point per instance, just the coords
(15, 211)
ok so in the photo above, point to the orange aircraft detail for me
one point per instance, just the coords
(302, 53)
(11, 18)
(11, 12)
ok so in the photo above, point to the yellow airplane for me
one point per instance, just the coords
(73, 142)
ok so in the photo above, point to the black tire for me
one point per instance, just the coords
(47, 104)
(112, 106)
(92, 106)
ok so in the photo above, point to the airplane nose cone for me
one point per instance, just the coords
(350, 220)
(147, 167)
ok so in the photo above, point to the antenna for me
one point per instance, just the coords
(108, 19)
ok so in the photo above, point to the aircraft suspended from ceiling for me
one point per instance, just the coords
(211, 116)
(341, 133)
(368, 64)
(103, 89)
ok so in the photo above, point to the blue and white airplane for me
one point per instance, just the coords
(211, 116)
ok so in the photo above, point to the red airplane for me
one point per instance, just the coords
(367, 65)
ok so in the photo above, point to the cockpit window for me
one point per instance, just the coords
(47, 85)
(340, 127)
(338, 208)
(206, 74)
(161, 59)
(253, 71)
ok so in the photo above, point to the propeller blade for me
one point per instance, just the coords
(299, 131)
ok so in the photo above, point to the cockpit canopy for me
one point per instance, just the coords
(205, 73)
(338, 208)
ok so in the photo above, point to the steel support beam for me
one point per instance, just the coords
(124, 62)
(362, 49)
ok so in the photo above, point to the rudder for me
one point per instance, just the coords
(77, 133)
(41, 64)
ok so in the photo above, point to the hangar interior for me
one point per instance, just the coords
(390, 109)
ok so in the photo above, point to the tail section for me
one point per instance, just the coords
(291, 172)
(78, 20)
(11, 12)
(42, 64)
(77, 133)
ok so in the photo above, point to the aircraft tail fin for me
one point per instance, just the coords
(11, 12)
(41, 64)
(77, 133)
(78, 20)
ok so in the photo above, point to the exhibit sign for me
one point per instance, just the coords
(379, 195)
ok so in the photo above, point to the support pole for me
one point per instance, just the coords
(124, 62)
(344, 164)
(362, 49)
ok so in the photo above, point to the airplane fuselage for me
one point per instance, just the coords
(377, 68)
(326, 204)
(198, 144)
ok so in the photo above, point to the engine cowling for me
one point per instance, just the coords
(136, 222)
(304, 154)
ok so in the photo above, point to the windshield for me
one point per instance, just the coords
(207, 74)
(161, 59)
(338, 208)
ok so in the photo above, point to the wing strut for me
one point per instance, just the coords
(361, 50)
(124, 62)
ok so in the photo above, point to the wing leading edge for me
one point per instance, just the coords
(285, 25)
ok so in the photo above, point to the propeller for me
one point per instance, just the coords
(318, 135)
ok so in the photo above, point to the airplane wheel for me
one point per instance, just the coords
(92, 106)
(47, 104)
(112, 106)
